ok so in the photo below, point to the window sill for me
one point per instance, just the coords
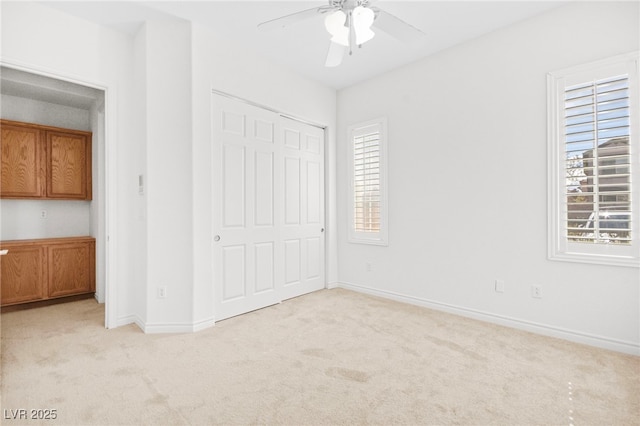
(597, 259)
(373, 242)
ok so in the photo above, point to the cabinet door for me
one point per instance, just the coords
(22, 272)
(71, 268)
(21, 167)
(68, 166)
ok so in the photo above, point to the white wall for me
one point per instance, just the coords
(138, 207)
(168, 174)
(468, 181)
(41, 40)
(217, 65)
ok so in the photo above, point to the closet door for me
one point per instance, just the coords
(268, 195)
(303, 219)
(247, 162)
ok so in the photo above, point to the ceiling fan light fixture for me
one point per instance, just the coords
(362, 20)
(334, 23)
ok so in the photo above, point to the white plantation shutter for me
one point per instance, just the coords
(598, 159)
(368, 205)
(594, 152)
(366, 177)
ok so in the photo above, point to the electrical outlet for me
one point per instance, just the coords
(162, 292)
(368, 266)
(499, 286)
(536, 291)
(43, 214)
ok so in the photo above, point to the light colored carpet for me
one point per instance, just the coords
(331, 357)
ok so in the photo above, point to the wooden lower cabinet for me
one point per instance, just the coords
(23, 274)
(43, 269)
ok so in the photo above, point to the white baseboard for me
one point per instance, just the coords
(129, 319)
(177, 327)
(546, 330)
(333, 285)
(166, 327)
(204, 324)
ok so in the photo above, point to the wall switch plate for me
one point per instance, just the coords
(499, 287)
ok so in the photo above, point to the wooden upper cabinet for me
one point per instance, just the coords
(45, 162)
(68, 165)
(22, 173)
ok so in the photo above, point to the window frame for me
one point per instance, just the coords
(559, 246)
(380, 237)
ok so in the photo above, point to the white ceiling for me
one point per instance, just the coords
(302, 47)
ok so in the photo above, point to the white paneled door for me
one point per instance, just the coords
(303, 216)
(268, 195)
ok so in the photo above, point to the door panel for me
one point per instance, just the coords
(265, 190)
(264, 254)
(292, 262)
(292, 191)
(313, 257)
(313, 144)
(291, 138)
(313, 192)
(233, 273)
(234, 185)
(264, 130)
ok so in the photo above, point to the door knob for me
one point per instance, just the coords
(216, 238)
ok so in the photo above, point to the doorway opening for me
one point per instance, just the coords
(31, 97)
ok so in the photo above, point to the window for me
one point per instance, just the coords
(594, 167)
(367, 159)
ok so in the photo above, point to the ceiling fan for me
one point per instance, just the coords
(349, 23)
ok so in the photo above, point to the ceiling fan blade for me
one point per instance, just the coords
(287, 20)
(396, 27)
(335, 54)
